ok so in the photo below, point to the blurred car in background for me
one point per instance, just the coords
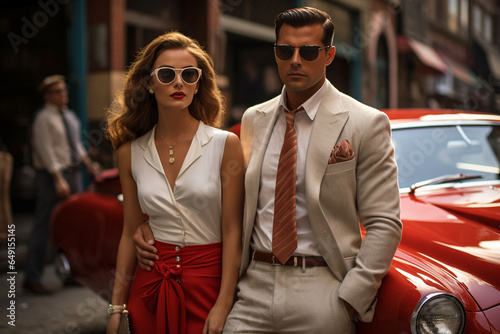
(445, 277)
(86, 230)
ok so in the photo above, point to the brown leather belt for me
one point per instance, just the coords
(294, 261)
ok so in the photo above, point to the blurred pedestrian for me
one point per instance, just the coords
(187, 177)
(57, 153)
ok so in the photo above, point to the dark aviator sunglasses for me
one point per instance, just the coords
(307, 52)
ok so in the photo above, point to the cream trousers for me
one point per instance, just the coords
(282, 299)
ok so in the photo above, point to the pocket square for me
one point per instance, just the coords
(341, 152)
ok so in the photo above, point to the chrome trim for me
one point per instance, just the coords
(62, 267)
(427, 298)
(426, 124)
(455, 185)
(451, 178)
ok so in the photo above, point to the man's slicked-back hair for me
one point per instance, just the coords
(306, 16)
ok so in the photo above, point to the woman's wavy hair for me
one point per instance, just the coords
(135, 111)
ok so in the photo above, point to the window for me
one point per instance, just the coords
(432, 9)
(428, 152)
(382, 94)
(488, 28)
(453, 15)
(464, 17)
(482, 24)
(439, 10)
(477, 20)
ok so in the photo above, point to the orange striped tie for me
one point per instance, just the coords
(285, 225)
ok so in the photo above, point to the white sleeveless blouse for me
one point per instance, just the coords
(189, 214)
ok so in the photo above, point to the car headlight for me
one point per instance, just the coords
(438, 313)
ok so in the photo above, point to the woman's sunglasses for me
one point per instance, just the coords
(307, 52)
(167, 75)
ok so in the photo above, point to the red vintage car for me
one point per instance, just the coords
(445, 277)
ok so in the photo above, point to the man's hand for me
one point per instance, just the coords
(61, 186)
(146, 252)
(93, 168)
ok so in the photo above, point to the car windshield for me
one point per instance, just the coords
(429, 152)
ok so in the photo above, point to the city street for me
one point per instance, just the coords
(70, 309)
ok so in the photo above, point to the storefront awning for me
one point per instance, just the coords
(427, 55)
(460, 72)
(481, 48)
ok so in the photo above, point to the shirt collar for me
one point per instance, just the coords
(311, 105)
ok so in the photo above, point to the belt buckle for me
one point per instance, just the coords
(275, 261)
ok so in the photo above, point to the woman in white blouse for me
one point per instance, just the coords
(184, 175)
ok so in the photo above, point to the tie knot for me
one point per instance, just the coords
(294, 111)
(290, 115)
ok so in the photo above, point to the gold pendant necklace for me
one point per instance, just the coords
(171, 148)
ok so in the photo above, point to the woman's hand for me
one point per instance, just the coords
(216, 320)
(113, 323)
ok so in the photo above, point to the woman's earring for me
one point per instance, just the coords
(151, 91)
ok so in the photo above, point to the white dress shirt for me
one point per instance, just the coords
(189, 212)
(51, 148)
(263, 229)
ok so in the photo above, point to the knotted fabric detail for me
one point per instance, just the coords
(165, 296)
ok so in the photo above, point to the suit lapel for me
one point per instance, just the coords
(264, 121)
(328, 124)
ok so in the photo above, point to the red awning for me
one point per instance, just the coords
(460, 72)
(427, 55)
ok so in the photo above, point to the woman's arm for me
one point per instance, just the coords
(232, 179)
(132, 218)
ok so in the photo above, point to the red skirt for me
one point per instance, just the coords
(176, 296)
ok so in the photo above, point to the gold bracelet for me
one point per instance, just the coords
(112, 309)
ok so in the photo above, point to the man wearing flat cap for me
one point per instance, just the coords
(57, 155)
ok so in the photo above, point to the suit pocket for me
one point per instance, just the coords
(340, 166)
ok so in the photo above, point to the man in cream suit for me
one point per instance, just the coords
(346, 175)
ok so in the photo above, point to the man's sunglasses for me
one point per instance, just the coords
(307, 52)
(166, 75)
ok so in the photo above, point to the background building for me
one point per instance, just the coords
(449, 54)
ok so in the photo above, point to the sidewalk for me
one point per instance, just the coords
(73, 309)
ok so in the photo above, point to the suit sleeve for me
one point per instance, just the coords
(379, 213)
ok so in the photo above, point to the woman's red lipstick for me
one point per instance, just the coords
(178, 95)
